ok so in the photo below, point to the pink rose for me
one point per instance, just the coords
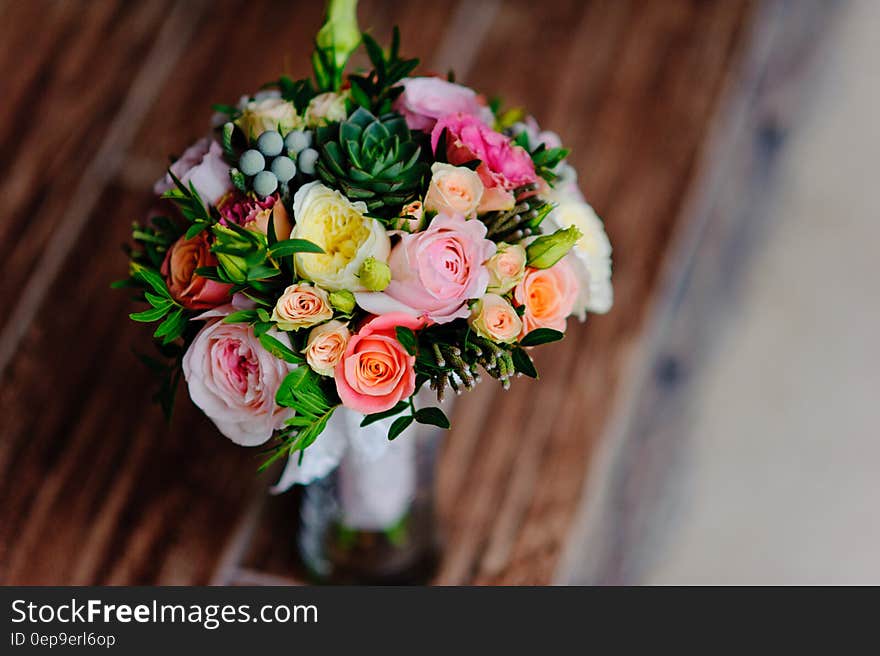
(426, 99)
(233, 379)
(376, 372)
(504, 166)
(434, 273)
(203, 165)
(549, 296)
(191, 290)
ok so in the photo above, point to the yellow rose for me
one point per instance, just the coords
(301, 306)
(327, 218)
(454, 190)
(495, 319)
(326, 346)
(268, 114)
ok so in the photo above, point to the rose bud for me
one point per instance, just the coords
(374, 274)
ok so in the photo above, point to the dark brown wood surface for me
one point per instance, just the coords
(94, 487)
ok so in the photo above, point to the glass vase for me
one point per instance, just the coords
(371, 520)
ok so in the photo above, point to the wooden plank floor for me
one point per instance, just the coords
(94, 488)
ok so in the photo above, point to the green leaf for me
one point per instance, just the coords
(262, 327)
(158, 301)
(262, 272)
(407, 338)
(432, 416)
(151, 278)
(378, 416)
(242, 316)
(400, 424)
(301, 390)
(291, 246)
(195, 229)
(279, 350)
(153, 314)
(541, 336)
(523, 363)
(172, 327)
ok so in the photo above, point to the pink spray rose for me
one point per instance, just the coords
(504, 166)
(233, 379)
(376, 372)
(203, 165)
(426, 99)
(549, 296)
(179, 269)
(435, 272)
(254, 214)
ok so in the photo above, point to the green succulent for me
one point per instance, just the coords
(371, 159)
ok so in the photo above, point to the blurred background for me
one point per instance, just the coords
(720, 425)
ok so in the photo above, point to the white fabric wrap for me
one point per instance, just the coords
(377, 478)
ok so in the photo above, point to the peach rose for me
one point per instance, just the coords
(300, 306)
(190, 290)
(454, 190)
(548, 295)
(495, 319)
(411, 217)
(376, 372)
(326, 346)
(506, 268)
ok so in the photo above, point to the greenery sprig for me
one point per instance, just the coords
(313, 401)
(377, 90)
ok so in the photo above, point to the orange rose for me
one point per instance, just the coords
(191, 290)
(548, 296)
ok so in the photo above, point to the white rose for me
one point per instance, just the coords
(325, 108)
(592, 252)
(268, 114)
(327, 218)
(233, 379)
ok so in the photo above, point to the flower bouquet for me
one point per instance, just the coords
(337, 244)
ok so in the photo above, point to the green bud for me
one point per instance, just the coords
(547, 250)
(340, 32)
(374, 274)
(343, 300)
(234, 266)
